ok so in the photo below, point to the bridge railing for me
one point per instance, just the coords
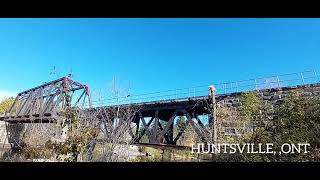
(292, 79)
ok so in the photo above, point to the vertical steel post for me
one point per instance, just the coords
(154, 138)
(212, 115)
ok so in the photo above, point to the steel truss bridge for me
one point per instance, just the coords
(44, 104)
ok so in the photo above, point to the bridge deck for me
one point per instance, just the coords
(162, 102)
(167, 107)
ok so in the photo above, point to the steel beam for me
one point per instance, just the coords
(43, 103)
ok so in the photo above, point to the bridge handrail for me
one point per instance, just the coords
(274, 81)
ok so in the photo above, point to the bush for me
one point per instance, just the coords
(295, 120)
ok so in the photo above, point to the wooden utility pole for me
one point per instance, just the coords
(212, 115)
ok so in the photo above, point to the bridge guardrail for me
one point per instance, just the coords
(292, 79)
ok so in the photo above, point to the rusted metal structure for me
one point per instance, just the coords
(159, 129)
(45, 102)
(154, 119)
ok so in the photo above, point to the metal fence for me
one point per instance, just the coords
(292, 79)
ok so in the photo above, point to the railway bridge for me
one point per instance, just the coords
(45, 104)
(155, 118)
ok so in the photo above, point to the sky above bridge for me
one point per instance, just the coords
(147, 55)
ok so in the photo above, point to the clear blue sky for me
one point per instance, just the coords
(153, 54)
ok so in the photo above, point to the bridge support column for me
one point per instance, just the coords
(154, 137)
(15, 135)
(170, 133)
(212, 115)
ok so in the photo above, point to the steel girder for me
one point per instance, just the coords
(159, 134)
(45, 102)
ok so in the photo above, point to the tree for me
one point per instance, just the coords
(294, 120)
(181, 122)
(82, 128)
(250, 105)
(297, 121)
(181, 126)
(6, 104)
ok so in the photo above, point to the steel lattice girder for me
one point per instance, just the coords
(45, 102)
(165, 132)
